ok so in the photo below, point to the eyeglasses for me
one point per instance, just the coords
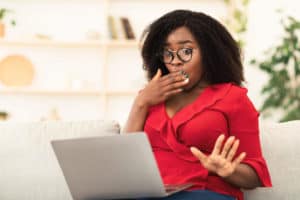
(184, 54)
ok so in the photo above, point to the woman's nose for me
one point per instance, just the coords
(176, 66)
(176, 60)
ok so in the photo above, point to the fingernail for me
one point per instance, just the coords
(186, 80)
(184, 74)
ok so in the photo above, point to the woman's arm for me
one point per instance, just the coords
(244, 126)
(239, 161)
(244, 176)
(137, 116)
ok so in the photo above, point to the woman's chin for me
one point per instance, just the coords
(187, 88)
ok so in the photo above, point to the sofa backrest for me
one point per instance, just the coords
(281, 149)
(30, 171)
(28, 166)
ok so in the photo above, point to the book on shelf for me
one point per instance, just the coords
(120, 28)
(127, 28)
(112, 28)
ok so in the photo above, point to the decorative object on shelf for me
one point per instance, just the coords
(3, 115)
(52, 115)
(93, 35)
(41, 36)
(127, 28)
(282, 64)
(3, 13)
(16, 70)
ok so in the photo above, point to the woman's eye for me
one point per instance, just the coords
(167, 54)
(187, 51)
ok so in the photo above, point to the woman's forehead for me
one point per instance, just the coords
(180, 36)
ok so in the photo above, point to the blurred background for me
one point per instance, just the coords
(80, 60)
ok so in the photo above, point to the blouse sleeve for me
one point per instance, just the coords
(243, 124)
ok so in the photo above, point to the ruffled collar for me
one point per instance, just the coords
(210, 95)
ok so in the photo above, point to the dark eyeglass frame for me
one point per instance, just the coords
(172, 53)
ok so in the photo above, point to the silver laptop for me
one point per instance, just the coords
(111, 167)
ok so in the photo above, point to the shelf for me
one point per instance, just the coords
(51, 92)
(122, 93)
(51, 43)
(66, 92)
(122, 43)
(70, 44)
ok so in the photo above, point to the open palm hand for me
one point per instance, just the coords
(221, 161)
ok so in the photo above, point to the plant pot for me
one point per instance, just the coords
(2, 30)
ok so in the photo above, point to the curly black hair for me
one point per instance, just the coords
(220, 52)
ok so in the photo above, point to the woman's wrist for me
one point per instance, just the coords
(141, 102)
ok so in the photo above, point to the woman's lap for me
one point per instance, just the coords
(195, 195)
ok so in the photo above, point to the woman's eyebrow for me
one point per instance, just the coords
(180, 42)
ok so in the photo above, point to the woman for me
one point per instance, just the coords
(201, 125)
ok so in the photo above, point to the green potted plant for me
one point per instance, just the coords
(282, 64)
(3, 13)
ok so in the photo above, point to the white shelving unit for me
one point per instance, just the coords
(113, 66)
(45, 92)
(69, 44)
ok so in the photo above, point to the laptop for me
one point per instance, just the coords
(111, 167)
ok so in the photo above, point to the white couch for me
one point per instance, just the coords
(29, 169)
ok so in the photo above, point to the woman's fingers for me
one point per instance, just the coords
(233, 150)
(196, 152)
(227, 146)
(174, 86)
(157, 75)
(239, 159)
(172, 92)
(218, 145)
(220, 160)
(169, 84)
(171, 78)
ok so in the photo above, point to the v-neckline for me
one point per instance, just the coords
(184, 107)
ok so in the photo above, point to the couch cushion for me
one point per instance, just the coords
(28, 166)
(280, 143)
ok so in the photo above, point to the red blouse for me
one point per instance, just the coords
(221, 108)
